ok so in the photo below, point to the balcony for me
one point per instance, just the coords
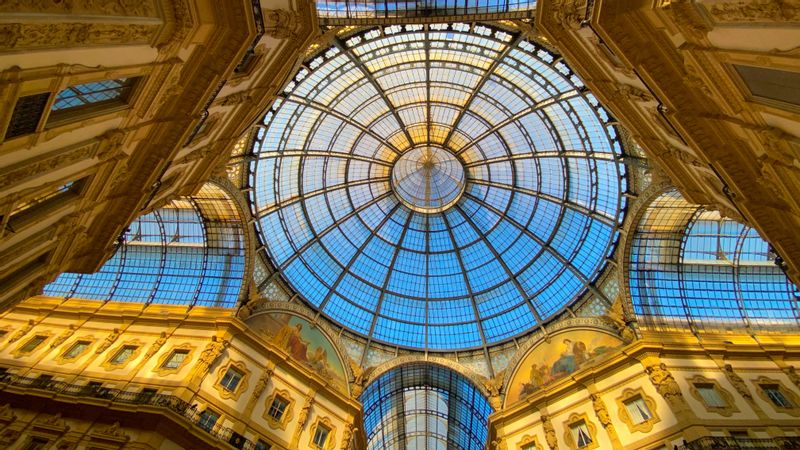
(737, 443)
(89, 393)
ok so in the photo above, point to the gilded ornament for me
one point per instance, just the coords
(737, 382)
(549, 433)
(108, 341)
(757, 11)
(210, 354)
(22, 331)
(63, 336)
(665, 384)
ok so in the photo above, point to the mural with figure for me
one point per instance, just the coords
(565, 353)
(304, 343)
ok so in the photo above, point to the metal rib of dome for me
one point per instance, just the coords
(482, 256)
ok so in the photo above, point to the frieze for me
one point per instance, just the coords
(48, 163)
(137, 8)
(280, 23)
(29, 36)
(756, 11)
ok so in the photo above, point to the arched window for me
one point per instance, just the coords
(189, 252)
(424, 406)
(692, 267)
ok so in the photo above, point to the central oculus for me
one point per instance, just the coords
(428, 179)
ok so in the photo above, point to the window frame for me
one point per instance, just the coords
(699, 381)
(279, 424)
(56, 118)
(22, 349)
(65, 356)
(201, 420)
(330, 437)
(241, 385)
(789, 395)
(161, 365)
(576, 420)
(631, 395)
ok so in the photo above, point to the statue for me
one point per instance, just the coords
(494, 386)
(665, 384)
(549, 433)
(156, 346)
(262, 383)
(108, 341)
(210, 354)
(22, 331)
(737, 382)
(360, 377)
(792, 374)
(63, 336)
(347, 436)
(601, 411)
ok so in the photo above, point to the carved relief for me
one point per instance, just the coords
(139, 8)
(493, 387)
(665, 384)
(302, 418)
(549, 433)
(737, 382)
(108, 341)
(112, 431)
(280, 23)
(156, 346)
(633, 93)
(570, 13)
(9, 437)
(28, 36)
(347, 436)
(793, 375)
(63, 337)
(757, 11)
(210, 354)
(262, 382)
(22, 331)
(46, 165)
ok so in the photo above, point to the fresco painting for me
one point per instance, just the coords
(304, 343)
(566, 353)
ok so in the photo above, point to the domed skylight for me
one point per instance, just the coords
(444, 186)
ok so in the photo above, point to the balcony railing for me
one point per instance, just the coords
(737, 443)
(165, 401)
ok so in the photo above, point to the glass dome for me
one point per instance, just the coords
(441, 187)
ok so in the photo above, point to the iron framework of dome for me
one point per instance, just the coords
(439, 187)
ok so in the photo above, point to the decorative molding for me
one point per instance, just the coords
(737, 382)
(240, 387)
(549, 433)
(281, 23)
(279, 424)
(156, 345)
(601, 412)
(631, 394)
(262, 382)
(17, 353)
(730, 403)
(756, 11)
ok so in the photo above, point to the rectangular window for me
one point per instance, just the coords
(277, 408)
(175, 359)
(637, 410)
(580, 434)
(773, 392)
(32, 344)
(27, 115)
(207, 420)
(32, 210)
(231, 379)
(710, 396)
(123, 354)
(36, 443)
(85, 99)
(529, 447)
(771, 84)
(321, 435)
(76, 349)
(261, 445)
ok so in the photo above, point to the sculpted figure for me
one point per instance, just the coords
(22, 331)
(737, 382)
(210, 354)
(108, 341)
(549, 433)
